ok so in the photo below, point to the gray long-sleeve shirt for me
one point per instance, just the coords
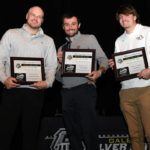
(20, 43)
(84, 41)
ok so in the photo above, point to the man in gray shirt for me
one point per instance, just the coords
(79, 93)
(23, 102)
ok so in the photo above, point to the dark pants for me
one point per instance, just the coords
(24, 105)
(78, 105)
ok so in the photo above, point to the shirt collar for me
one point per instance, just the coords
(39, 33)
(74, 37)
(135, 31)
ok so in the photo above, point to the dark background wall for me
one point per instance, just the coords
(98, 18)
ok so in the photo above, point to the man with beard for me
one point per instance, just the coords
(23, 102)
(79, 93)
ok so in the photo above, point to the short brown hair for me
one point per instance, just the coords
(70, 15)
(127, 9)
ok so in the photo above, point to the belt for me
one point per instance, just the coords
(81, 85)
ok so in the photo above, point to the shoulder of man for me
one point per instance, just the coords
(147, 28)
(10, 32)
(88, 37)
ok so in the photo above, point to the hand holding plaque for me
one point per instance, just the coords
(78, 62)
(129, 63)
(27, 70)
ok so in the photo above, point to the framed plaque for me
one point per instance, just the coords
(78, 62)
(129, 63)
(27, 70)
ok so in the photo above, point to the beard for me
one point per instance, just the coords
(33, 25)
(72, 33)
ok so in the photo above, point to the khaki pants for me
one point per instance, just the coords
(135, 105)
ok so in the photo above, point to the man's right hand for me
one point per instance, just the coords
(10, 83)
(59, 56)
(111, 63)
